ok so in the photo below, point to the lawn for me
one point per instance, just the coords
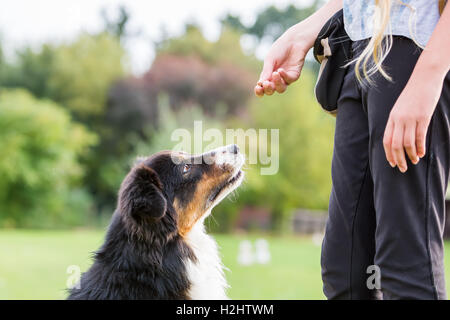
(34, 265)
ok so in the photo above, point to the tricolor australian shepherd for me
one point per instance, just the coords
(156, 246)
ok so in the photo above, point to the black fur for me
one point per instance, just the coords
(143, 255)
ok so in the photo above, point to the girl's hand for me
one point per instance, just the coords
(282, 65)
(286, 57)
(408, 121)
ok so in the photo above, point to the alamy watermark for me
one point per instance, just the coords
(258, 143)
(73, 280)
(374, 280)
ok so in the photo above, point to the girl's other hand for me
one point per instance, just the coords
(408, 122)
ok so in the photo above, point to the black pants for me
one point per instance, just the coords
(383, 222)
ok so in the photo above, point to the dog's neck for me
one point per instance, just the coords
(206, 274)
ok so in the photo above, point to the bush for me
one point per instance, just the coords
(84, 70)
(39, 168)
(77, 75)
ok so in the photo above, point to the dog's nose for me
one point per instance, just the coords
(234, 149)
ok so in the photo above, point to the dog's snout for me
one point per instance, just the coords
(232, 148)
(229, 154)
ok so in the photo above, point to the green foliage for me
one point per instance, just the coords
(190, 80)
(76, 75)
(39, 167)
(45, 160)
(272, 22)
(161, 139)
(4, 67)
(32, 70)
(84, 70)
(305, 150)
(226, 49)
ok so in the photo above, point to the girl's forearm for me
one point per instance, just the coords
(434, 62)
(307, 30)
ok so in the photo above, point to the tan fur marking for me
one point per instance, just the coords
(189, 215)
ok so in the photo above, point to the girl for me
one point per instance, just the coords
(391, 156)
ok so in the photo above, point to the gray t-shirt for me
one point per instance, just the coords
(415, 19)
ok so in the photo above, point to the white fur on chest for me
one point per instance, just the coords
(206, 274)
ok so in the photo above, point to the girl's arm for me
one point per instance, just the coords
(285, 58)
(408, 122)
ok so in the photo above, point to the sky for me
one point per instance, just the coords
(32, 22)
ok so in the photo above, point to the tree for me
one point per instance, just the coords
(118, 26)
(190, 80)
(84, 70)
(272, 22)
(226, 49)
(76, 75)
(31, 71)
(39, 163)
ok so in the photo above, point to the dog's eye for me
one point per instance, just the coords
(186, 168)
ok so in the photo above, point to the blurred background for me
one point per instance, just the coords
(87, 86)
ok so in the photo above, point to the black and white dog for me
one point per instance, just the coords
(156, 246)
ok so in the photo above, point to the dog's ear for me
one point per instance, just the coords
(140, 195)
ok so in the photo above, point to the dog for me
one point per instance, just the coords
(156, 246)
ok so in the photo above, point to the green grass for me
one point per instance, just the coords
(33, 265)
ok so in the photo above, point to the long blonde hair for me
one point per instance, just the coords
(371, 58)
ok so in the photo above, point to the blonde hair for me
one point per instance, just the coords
(371, 58)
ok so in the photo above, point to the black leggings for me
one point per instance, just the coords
(379, 218)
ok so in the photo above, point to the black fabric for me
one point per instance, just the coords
(378, 215)
(331, 77)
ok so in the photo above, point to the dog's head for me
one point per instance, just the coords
(183, 186)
